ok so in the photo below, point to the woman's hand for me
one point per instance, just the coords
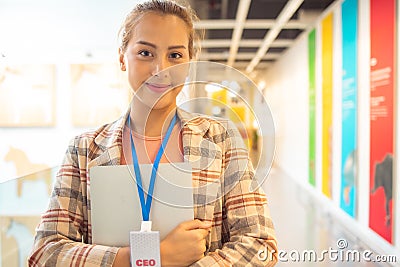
(185, 244)
(123, 257)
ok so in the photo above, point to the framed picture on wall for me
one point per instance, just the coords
(27, 95)
(100, 94)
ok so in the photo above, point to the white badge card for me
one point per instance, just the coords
(145, 247)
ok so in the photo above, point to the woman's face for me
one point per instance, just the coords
(157, 43)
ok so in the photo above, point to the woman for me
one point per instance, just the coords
(230, 230)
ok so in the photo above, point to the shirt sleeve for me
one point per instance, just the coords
(62, 235)
(252, 240)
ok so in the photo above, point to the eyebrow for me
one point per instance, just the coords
(154, 46)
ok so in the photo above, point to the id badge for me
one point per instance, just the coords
(145, 247)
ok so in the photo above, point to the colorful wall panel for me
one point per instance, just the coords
(382, 23)
(327, 84)
(311, 94)
(363, 174)
(349, 107)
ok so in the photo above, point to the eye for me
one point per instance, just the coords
(175, 55)
(145, 53)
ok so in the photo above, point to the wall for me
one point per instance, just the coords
(56, 34)
(288, 96)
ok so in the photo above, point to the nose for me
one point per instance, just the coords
(160, 68)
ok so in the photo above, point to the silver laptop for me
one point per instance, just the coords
(115, 204)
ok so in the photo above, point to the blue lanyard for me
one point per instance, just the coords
(146, 205)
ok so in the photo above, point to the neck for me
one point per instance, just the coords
(150, 122)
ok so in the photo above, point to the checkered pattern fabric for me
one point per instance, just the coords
(222, 181)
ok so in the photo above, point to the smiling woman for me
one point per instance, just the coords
(230, 225)
(157, 42)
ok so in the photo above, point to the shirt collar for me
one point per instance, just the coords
(197, 123)
(112, 134)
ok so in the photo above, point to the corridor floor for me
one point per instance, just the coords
(303, 225)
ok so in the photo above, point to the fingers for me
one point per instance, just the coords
(200, 247)
(200, 233)
(189, 243)
(196, 224)
(203, 245)
(205, 225)
(196, 229)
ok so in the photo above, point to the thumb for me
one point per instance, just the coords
(196, 224)
(205, 225)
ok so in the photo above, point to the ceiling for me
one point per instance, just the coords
(252, 34)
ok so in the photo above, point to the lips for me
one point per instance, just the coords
(158, 88)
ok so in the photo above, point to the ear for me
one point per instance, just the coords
(121, 60)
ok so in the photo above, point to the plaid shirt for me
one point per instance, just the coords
(222, 178)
